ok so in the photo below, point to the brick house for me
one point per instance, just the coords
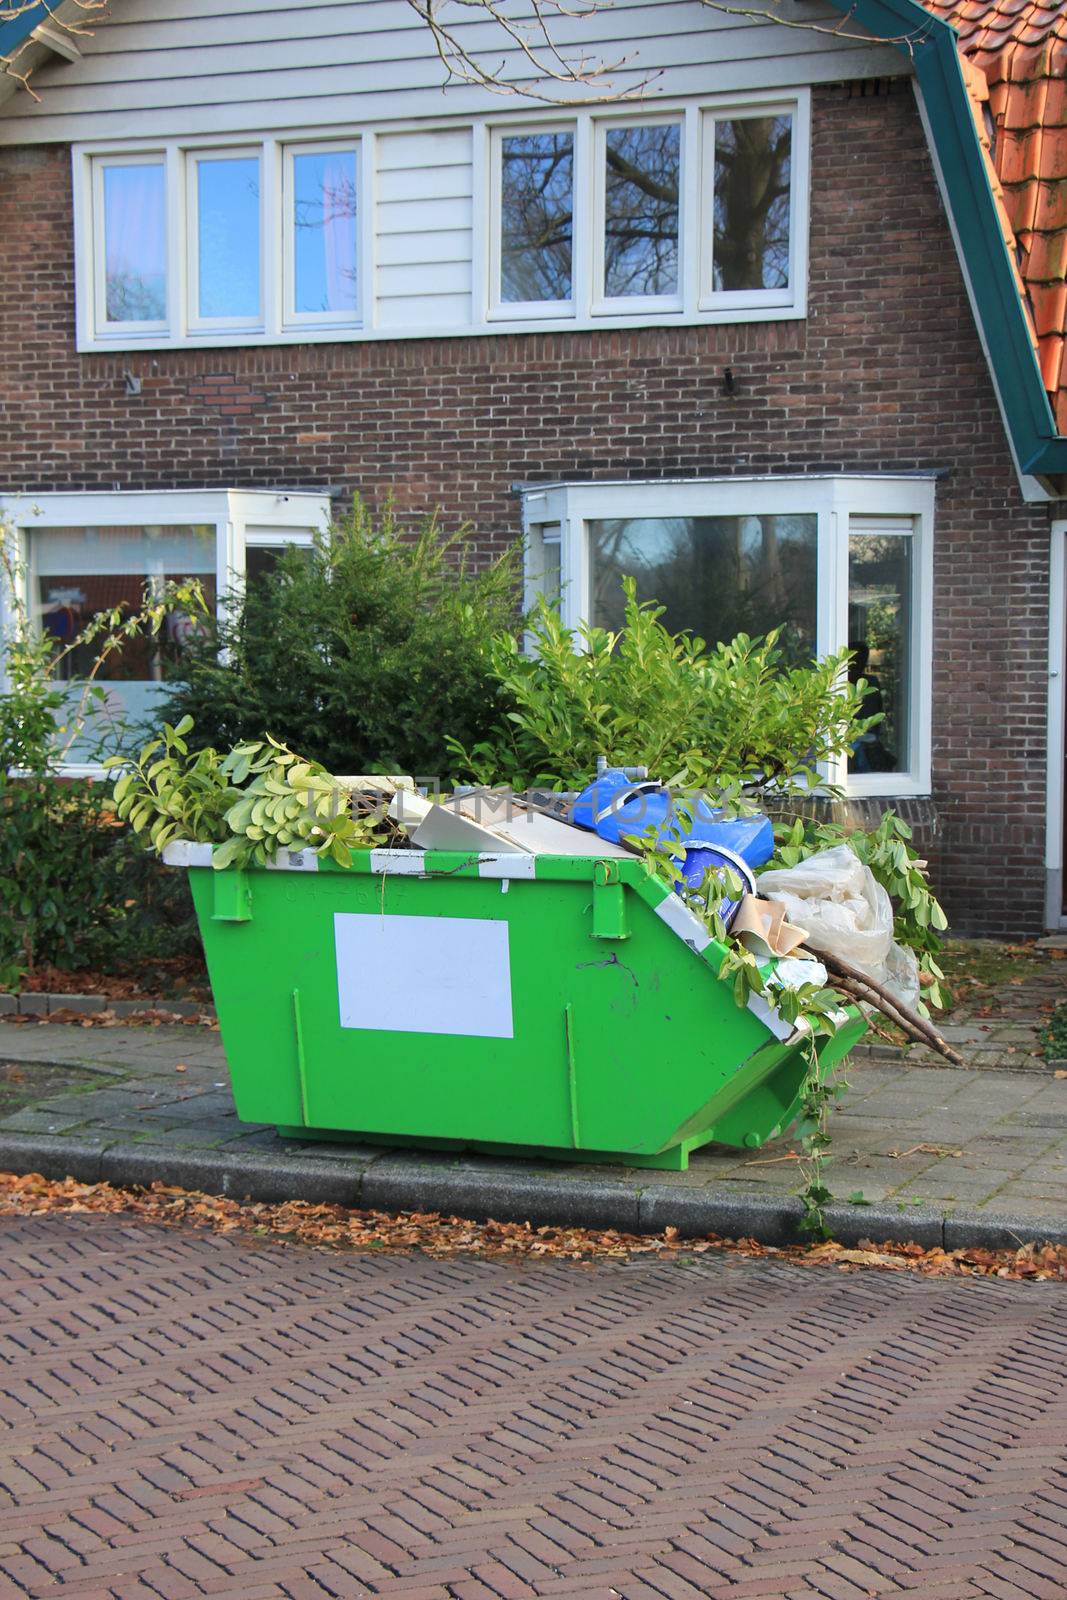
(779, 328)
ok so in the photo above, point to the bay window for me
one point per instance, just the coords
(80, 554)
(831, 562)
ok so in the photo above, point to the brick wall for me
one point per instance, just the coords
(886, 373)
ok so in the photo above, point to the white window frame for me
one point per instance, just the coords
(502, 310)
(603, 304)
(194, 160)
(291, 318)
(586, 310)
(240, 518)
(742, 299)
(836, 501)
(139, 329)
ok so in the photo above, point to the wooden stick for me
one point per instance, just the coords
(902, 1016)
(918, 1028)
(863, 995)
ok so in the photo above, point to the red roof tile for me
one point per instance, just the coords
(1015, 63)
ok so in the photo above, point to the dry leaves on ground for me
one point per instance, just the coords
(326, 1226)
(154, 980)
(146, 1017)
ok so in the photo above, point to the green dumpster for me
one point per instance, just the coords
(554, 1003)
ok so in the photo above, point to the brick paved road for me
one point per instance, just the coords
(184, 1414)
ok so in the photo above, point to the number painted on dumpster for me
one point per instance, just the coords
(447, 975)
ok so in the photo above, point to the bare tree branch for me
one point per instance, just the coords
(555, 70)
(75, 24)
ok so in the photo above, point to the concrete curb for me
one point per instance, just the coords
(44, 1004)
(507, 1191)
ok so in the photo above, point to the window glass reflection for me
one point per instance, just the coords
(228, 237)
(82, 571)
(641, 210)
(718, 576)
(324, 231)
(135, 243)
(753, 172)
(536, 216)
(879, 630)
(261, 560)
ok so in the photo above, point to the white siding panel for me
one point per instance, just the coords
(169, 68)
(449, 182)
(424, 248)
(446, 311)
(425, 272)
(435, 215)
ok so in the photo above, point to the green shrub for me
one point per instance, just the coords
(736, 716)
(55, 904)
(362, 653)
(62, 903)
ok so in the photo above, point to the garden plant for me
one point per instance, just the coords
(362, 652)
(63, 892)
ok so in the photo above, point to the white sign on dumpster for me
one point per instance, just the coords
(424, 974)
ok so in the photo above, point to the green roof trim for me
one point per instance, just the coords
(931, 45)
(16, 29)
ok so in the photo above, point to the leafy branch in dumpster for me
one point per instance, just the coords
(252, 802)
(814, 1007)
(817, 1008)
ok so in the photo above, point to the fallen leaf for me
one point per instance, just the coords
(329, 1227)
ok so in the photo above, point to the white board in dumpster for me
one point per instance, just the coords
(399, 974)
(487, 821)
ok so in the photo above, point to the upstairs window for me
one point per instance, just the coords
(272, 243)
(641, 173)
(750, 161)
(536, 219)
(131, 204)
(225, 238)
(694, 211)
(321, 233)
(696, 214)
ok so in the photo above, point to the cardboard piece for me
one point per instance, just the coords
(761, 927)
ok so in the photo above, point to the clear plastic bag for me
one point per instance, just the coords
(846, 913)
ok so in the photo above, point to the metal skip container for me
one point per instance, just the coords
(562, 1004)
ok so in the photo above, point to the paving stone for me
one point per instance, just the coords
(32, 1120)
(386, 1424)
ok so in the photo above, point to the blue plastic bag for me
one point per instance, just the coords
(615, 805)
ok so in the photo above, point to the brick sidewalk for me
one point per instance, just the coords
(188, 1415)
(992, 1140)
